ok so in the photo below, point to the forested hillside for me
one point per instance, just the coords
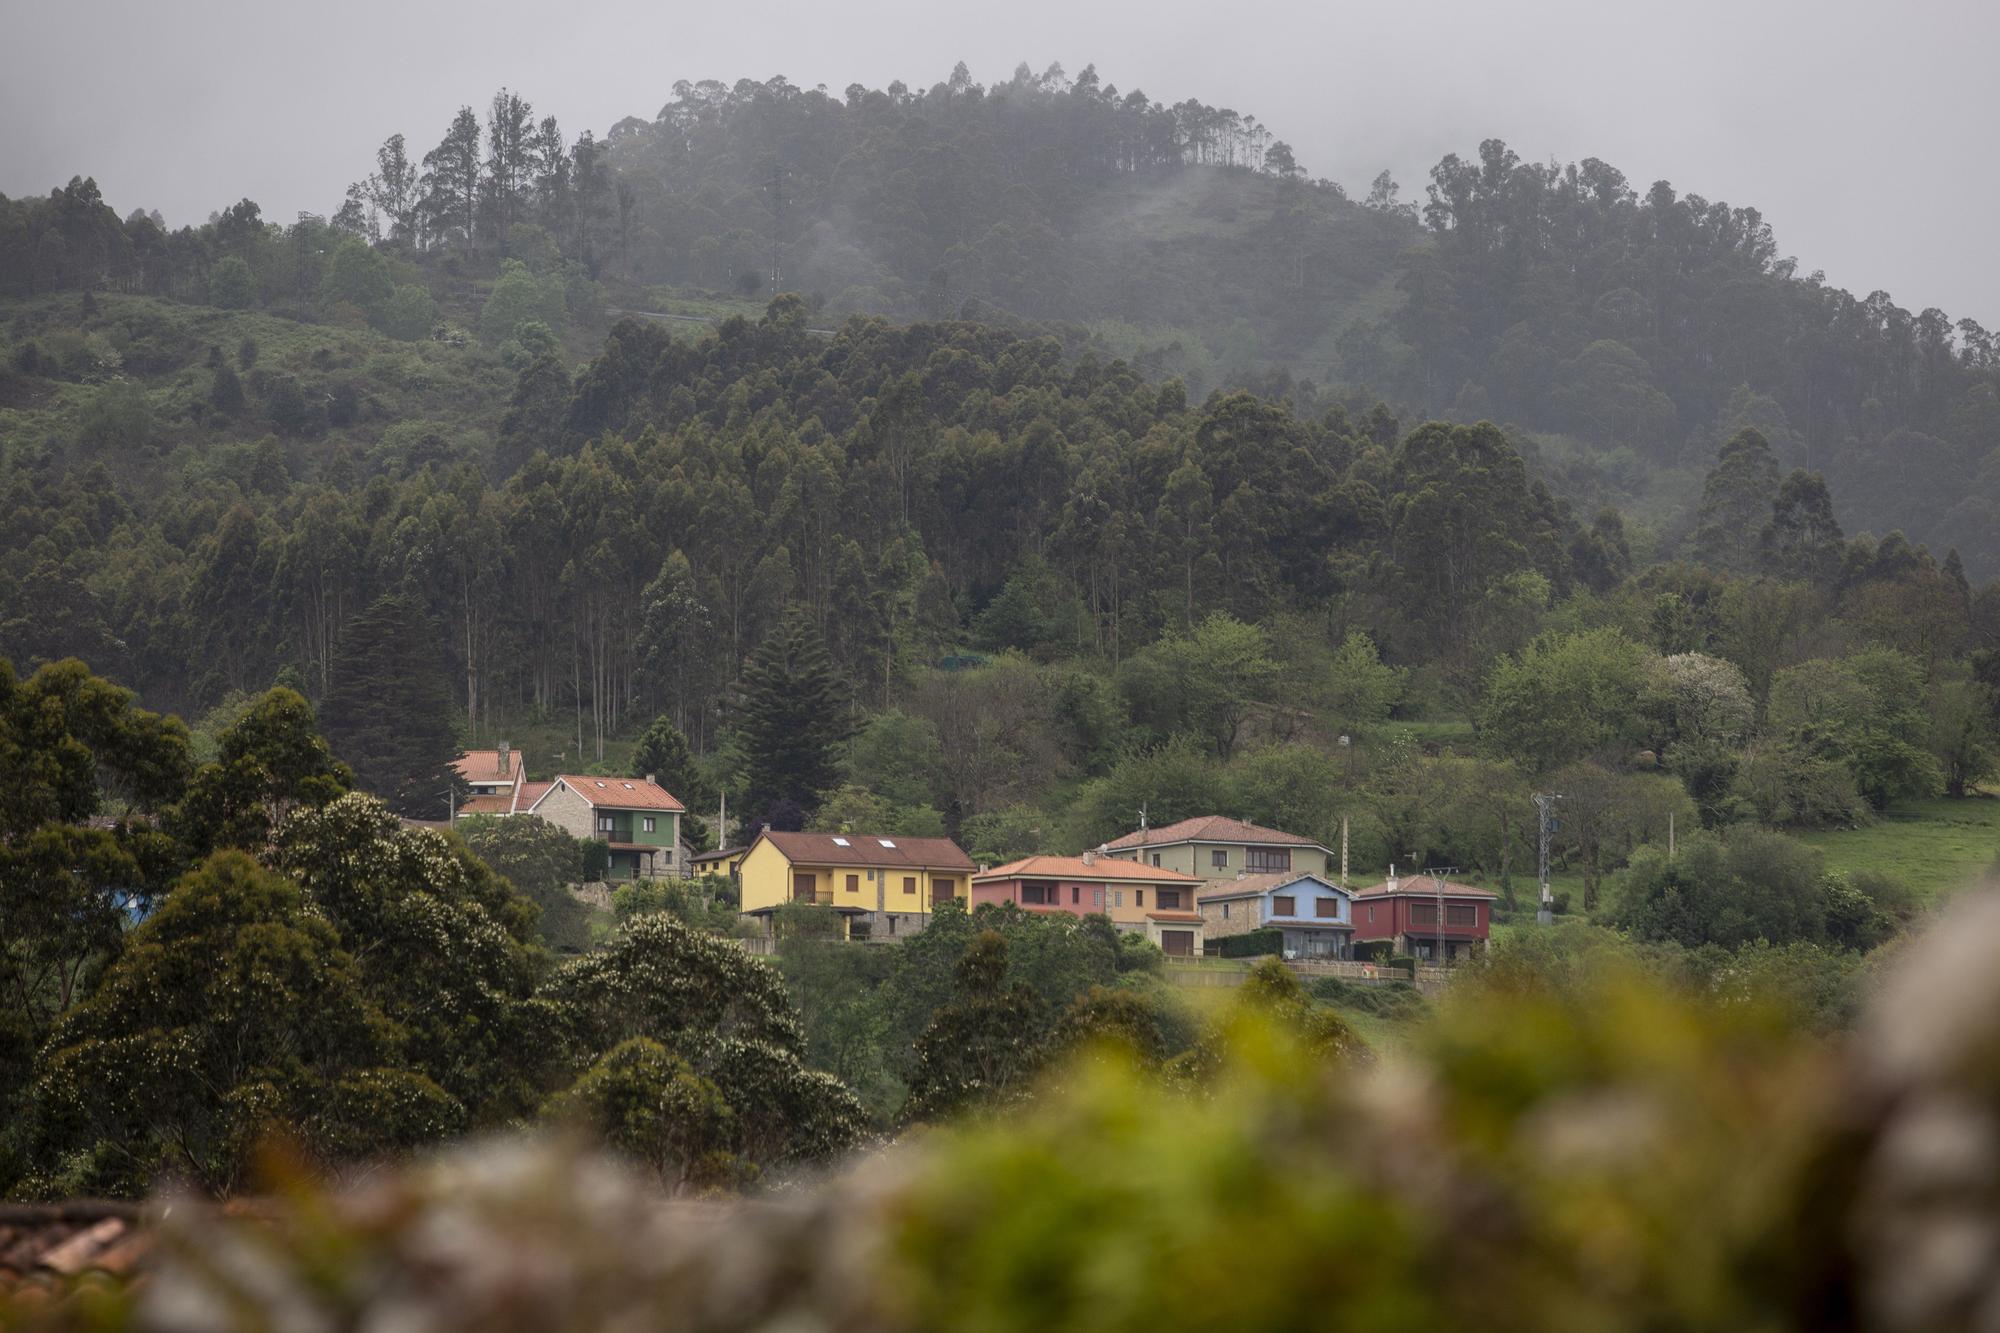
(1008, 464)
(1630, 330)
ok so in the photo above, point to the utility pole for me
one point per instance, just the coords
(299, 257)
(1545, 914)
(1437, 874)
(774, 195)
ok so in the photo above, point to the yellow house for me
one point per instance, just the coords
(882, 886)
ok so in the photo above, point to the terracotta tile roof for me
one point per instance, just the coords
(48, 1244)
(487, 805)
(620, 793)
(484, 766)
(1422, 886)
(1180, 918)
(868, 849)
(1074, 867)
(532, 792)
(1208, 828)
(1244, 886)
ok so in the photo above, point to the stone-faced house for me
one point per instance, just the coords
(1315, 915)
(637, 816)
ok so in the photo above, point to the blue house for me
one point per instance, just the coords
(1316, 916)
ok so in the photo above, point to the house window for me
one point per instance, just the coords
(1097, 898)
(1138, 897)
(1170, 900)
(1457, 914)
(1156, 858)
(1264, 860)
(1225, 911)
(1371, 914)
(604, 824)
(1326, 907)
(1075, 894)
(909, 884)
(648, 823)
(1424, 914)
(1285, 905)
(1219, 858)
(854, 883)
(1118, 897)
(1041, 895)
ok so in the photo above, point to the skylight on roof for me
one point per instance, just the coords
(886, 843)
(842, 842)
(628, 787)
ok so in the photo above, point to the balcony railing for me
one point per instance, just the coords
(819, 897)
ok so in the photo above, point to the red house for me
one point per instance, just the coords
(1405, 912)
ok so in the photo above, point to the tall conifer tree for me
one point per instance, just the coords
(793, 716)
(389, 711)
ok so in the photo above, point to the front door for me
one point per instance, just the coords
(803, 888)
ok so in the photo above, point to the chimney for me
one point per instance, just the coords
(502, 753)
(1392, 877)
(1090, 858)
(649, 777)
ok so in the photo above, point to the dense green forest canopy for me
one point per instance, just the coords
(1627, 331)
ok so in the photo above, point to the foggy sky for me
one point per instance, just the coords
(1861, 128)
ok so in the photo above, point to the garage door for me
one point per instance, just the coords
(1179, 943)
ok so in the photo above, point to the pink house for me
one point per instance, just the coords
(1147, 900)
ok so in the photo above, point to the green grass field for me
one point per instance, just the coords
(1933, 847)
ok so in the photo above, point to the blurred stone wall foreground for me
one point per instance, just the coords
(1587, 1154)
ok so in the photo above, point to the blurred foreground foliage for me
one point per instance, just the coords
(1584, 1149)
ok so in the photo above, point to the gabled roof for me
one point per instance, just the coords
(497, 804)
(1209, 828)
(619, 793)
(532, 792)
(719, 854)
(1422, 886)
(484, 766)
(1075, 867)
(868, 849)
(1253, 886)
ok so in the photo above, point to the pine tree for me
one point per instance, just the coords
(793, 717)
(389, 711)
(663, 752)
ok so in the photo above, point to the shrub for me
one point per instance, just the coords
(1251, 944)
